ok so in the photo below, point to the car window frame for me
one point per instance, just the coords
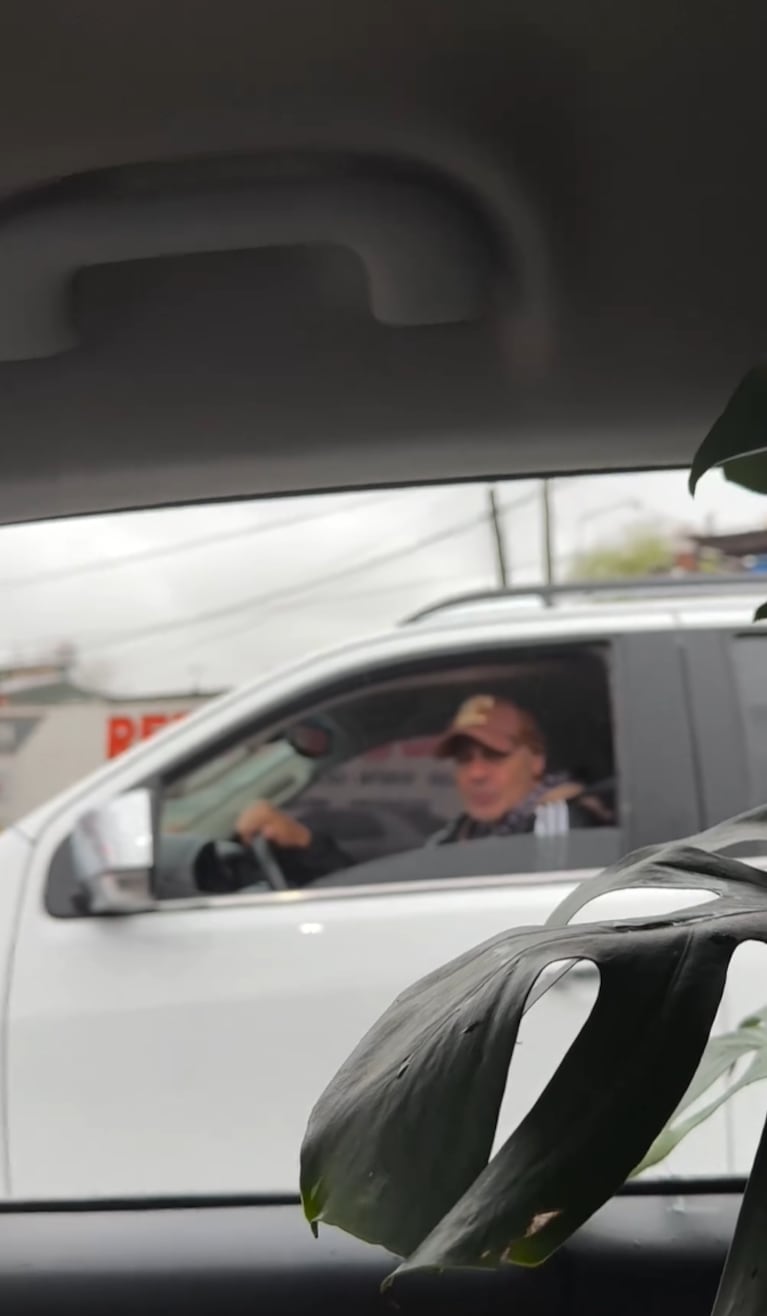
(445, 665)
(739, 762)
(654, 746)
(622, 697)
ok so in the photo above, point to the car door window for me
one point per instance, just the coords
(374, 794)
(209, 798)
(389, 799)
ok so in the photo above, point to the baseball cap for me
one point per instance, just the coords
(492, 722)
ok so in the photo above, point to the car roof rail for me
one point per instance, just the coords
(628, 586)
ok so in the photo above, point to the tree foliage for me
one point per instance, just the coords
(642, 552)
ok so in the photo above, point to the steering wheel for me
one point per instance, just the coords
(268, 863)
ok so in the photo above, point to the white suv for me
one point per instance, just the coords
(161, 1040)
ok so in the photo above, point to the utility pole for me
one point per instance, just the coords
(548, 553)
(498, 540)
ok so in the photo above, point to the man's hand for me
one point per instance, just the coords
(262, 819)
(569, 790)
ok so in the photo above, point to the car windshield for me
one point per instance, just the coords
(327, 744)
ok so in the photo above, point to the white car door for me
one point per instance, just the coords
(180, 1051)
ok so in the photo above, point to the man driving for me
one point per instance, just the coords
(498, 755)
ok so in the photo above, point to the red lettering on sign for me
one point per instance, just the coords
(120, 735)
(123, 731)
(152, 722)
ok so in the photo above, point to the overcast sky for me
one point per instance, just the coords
(209, 596)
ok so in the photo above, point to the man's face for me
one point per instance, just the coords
(489, 783)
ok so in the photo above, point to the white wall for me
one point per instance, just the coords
(45, 748)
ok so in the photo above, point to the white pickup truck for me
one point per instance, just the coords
(158, 1040)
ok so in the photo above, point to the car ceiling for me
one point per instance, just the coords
(251, 248)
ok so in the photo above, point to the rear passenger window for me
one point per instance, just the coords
(750, 661)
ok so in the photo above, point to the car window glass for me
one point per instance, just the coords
(173, 654)
(377, 795)
(390, 799)
(209, 798)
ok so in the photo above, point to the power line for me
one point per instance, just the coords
(275, 599)
(185, 546)
(359, 594)
(150, 554)
(284, 595)
(189, 545)
(373, 591)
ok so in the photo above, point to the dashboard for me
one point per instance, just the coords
(644, 1251)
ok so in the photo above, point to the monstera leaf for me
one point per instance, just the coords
(397, 1149)
(738, 439)
(738, 442)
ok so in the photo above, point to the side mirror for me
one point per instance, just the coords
(312, 739)
(113, 855)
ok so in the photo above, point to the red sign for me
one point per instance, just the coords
(124, 731)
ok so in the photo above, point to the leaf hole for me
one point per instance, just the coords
(546, 1034)
(641, 902)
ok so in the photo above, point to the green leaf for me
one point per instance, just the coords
(696, 863)
(743, 1287)
(648, 868)
(740, 432)
(576, 1147)
(748, 472)
(757, 1019)
(640, 869)
(761, 612)
(721, 1054)
(397, 1147)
